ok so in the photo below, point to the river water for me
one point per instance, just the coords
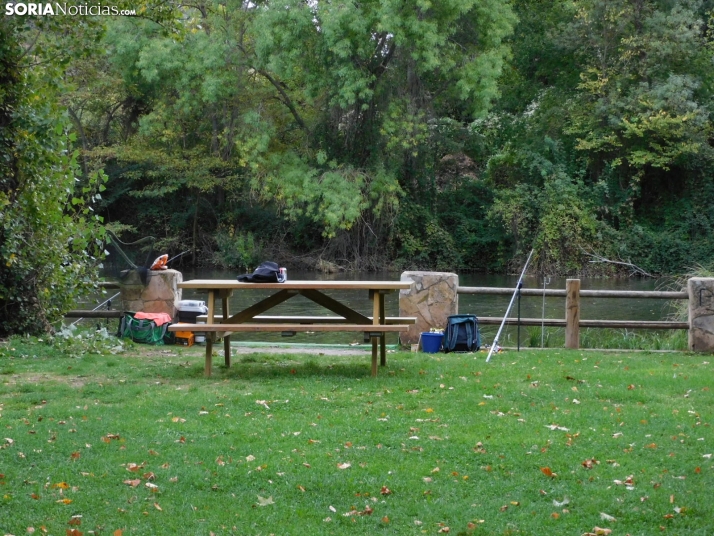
(531, 307)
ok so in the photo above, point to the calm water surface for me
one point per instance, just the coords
(531, 307)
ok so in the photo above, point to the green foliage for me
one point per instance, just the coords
(237, 250)
(51, 240)
(70, 341)
(423, 242)
(586, 127)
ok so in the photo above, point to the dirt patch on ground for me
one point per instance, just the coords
(34, 377)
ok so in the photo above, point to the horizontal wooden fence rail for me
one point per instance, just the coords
(554, 323)
(656, 294)
(82, 313)
(572, 323)
(98, 313)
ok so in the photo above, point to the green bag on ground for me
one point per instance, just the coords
(145, 331)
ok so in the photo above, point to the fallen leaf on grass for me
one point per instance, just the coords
(547, 471)
(345, 465)
(564, 502)
(118, 532)
(597, 531)
(366, 512)
(75, 521)
(607, 517)
(65, 501)
(61, 485)
(35, 496)
(134, 468)
(74, 532)
(262, 501)
(156, 505)
(152, 487)
(133, 483)
(385, 491)
(589, 464)
(627, 482)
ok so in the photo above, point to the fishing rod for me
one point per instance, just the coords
(98, 306)
(505, 317)
(177, 256)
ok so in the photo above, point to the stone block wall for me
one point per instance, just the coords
(160, 294)
(431, 299)
(701, 314)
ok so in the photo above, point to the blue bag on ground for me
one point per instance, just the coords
(461, 334)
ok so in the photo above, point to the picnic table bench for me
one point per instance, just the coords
(250, 319)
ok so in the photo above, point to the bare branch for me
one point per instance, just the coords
(635, 270)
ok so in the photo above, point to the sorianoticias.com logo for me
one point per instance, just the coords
(56, 8)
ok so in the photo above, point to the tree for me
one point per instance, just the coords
(50, 239)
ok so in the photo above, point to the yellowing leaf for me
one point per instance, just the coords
(65, 501)
(601, 532)
(262, 501)
(61, 485)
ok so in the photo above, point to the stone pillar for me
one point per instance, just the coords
(431, 299)
(160, 294)
(701, 314)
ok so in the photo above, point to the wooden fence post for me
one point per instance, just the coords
(572, 313)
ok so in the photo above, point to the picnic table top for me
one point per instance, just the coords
(214, 284)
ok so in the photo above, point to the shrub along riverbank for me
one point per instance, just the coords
(538, 441)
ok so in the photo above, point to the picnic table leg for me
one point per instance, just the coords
(375, 320)
(209, 336)
(383, 338)
(374, 356)
(226, 338)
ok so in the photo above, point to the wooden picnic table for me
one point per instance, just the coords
(251, 319)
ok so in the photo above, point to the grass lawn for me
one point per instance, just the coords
(536, 442)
